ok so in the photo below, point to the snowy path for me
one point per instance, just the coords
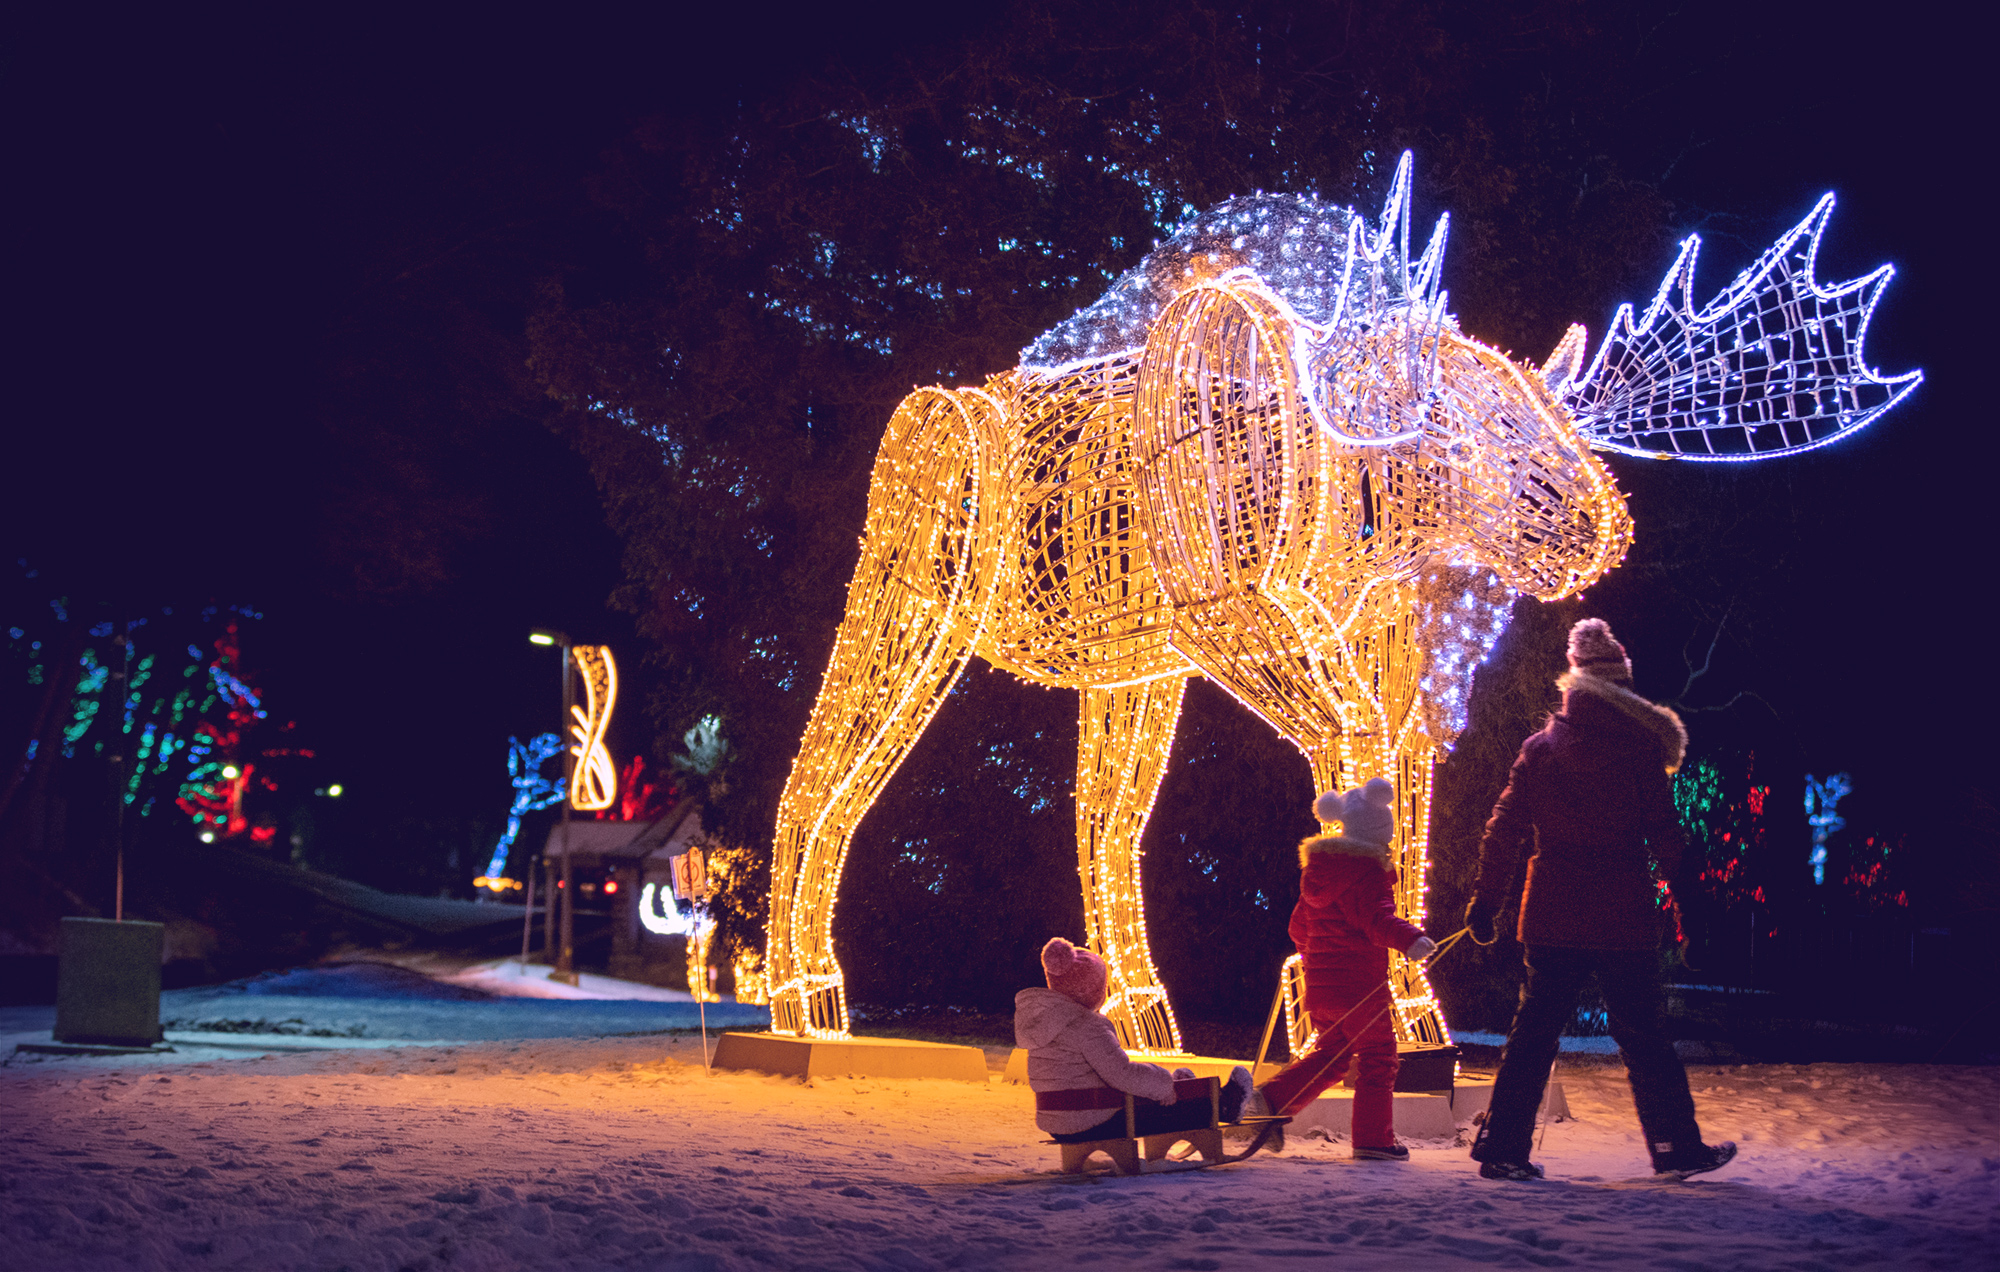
(621, 1153)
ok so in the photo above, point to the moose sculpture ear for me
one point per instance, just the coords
(1565, 365)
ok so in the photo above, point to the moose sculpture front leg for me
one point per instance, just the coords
(1125, 737)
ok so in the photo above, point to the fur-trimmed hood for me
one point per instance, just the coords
(1660, 722)
(1342, 846)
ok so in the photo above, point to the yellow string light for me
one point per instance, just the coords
(749, 980)
(594, 782)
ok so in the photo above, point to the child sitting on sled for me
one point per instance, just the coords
(1079, 1072)
(1344, 925)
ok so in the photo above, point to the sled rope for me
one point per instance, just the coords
(1443, 946)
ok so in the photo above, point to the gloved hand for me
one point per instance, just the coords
(1480, 918)
(1420, 949)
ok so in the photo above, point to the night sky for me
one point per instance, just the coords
(212, 219)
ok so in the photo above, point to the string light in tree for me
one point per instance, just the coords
(1270, 457)
(212, 793)
(188, 718)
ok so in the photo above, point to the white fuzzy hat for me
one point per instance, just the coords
(1363, 813)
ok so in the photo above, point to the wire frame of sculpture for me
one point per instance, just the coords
(1268, 457)
(1773, 365)
(1302, 575)
(1292, 993)
(594, 781)
(920, 595)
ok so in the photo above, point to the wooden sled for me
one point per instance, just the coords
(1131, 1152)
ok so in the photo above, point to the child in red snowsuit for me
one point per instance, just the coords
(1344, 925)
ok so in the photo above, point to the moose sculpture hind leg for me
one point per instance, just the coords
(919, 598)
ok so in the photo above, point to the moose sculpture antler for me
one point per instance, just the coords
(1267, 456)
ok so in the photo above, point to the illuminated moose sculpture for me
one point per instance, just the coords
(1268, 456)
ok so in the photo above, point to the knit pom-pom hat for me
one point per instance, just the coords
(1074, 973)
(1594, 651)
(1363, 813)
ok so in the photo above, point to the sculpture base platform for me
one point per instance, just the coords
(1203, 1066)
(856, 1057)
(1428, 1115)
(1424, 1070)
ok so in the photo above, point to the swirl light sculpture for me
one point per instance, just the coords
(1269, 456)
(593, 781)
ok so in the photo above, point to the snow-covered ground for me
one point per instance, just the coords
(372, 1004)
(512, 978)
(623, 1153)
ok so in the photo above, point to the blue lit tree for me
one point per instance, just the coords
(1822, 800)
(533, 790)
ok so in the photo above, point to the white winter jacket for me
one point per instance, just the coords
(1070, 1048)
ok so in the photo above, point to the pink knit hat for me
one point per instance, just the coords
(1594, 651)
(1075, 973)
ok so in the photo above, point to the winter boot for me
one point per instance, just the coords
(1256, 1112)
(1696, 1159)
(1235, 1094)
(1393, 1153)
(1509, 1170)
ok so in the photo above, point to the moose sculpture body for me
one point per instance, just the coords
(1269, 457)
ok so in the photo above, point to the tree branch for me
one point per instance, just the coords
(1708, 660)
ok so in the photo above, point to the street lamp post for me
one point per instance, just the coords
(565, 899)
(121, 676)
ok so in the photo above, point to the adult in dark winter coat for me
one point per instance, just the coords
(1590, 793)
(1344, 925)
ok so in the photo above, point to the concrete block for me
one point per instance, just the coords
(108, 983)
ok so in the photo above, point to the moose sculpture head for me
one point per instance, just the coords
(1269, 456)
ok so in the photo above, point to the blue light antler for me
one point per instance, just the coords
(1773, 366)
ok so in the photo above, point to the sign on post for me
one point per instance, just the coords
(690, 871)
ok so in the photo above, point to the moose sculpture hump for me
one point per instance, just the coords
(1267, 456)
